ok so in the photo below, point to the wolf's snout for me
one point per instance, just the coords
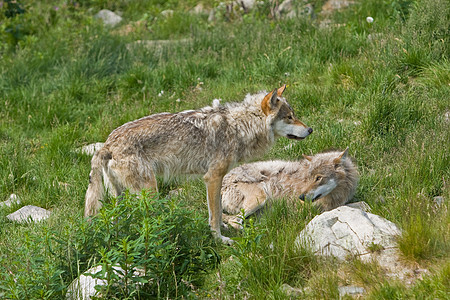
(310, 130)
(302, 197)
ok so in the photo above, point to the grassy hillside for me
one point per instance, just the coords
(380, 88)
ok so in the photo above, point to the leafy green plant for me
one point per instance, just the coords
(166, 242)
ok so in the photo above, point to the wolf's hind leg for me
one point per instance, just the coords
(131, 175)
(147, 182)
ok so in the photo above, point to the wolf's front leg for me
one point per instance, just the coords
(213, 181)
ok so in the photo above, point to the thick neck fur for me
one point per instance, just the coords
(245, 120)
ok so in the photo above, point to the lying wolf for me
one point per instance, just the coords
(208, 141)
(328, 179)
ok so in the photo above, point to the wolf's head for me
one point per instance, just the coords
(327, 173)
(284, 121)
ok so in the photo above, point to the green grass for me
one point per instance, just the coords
(381, 89)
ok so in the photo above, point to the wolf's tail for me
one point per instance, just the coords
(95, 189)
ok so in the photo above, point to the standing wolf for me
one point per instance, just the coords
(208, 141)
(328, 179)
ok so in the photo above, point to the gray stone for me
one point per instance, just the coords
(167, 13)
(108, 17)
(12, 200)
(351, 290)
(83, 288)
(332, 5)
(290, 9)
(29, 213)
(248, 4)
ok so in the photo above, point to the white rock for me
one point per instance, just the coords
(13, 199)
(29, 213)
(332, 5)
(248, 4)
(167, 13)
(108, 17)
(350, 290)
(83, 288)
(290, 9)
(348, 231)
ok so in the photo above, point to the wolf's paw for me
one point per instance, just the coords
(222, 238)
(226, 240)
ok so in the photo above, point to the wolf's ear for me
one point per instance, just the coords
(269, 102)
(341, 156)
(308, 158)
(280, 91)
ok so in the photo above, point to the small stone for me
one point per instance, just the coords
(29, 213)
(83, 287)
(167, 13)
(13, 199)
(350, 290)
(108, 17)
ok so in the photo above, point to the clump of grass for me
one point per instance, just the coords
(423, 238)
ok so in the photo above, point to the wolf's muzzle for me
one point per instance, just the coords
(303, 197)
(294, 137)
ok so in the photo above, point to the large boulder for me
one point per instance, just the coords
(348, 231)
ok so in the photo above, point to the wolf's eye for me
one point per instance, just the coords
(318, 178)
